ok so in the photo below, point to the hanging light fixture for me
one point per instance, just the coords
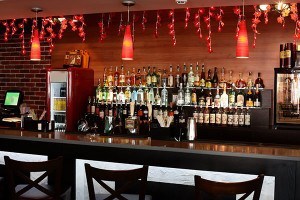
(127, 48)
(242, 47)
(35, 54)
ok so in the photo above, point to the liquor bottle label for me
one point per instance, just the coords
(155, 113)
(217, 102)
(257, 103)
(231, 100)
(224, 118)
(247, 120)
(201, 118)
(208, 101)
(194, 98)
(170, 81)
(206, 118)
(218, 118)
(195, 115)
(122, 78)
(230, 119)
(241, 120)
(93, 109)
(202, 83)
(288, 53)
(240, 100)
(101, 114)
(149, 80)
(154, 79)
(282, 54)
(212, 118)
(249, 103)
(235, 121)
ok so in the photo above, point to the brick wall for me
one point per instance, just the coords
(18, 72)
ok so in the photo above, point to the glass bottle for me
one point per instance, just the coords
(104, 93)
(208, 80)
(133, 77)
(240, 83)
(217, 98)
(230, 80)
(138, 77)
(128, 78)
(121, 96)
(218, 116)
(144, 77)
(212, 115)
(230, 116)
(202, 77)
(171, 77)
(184, 76)
(146, 94)
(215, 79)
(247, 118)
(257, 97)
(206, 115)
(149, 77)
(122, 76)
(235, 121)
(116, 77)
(231, 97)
(208, 98)
(222, 81)
(154, 78)
(202, 97)
(191, 76)
(180, 96)
(134, 95)
(140, 95)
(240, 98)
(151, 95)
(224, 117)
(155, 112)
(157, 97)
(110, 77)
(158, 79)
(99, 91)
(194, 96)
(197, 76)
(196, 113)
(259, 81)
(105, 77)
(110, 95)
(127, 94)
(249, 98)
(201, 115)
(242, 117)
(177, 77)
(164, 96)
(250, 80)
(281, 56)
(164, 78)
(187, 95)
(115, 94)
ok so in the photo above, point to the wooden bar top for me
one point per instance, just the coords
(206, 146)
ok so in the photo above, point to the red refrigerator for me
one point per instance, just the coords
(67, 95)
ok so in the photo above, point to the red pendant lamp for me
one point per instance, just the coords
(127, 48)
(242, 47)
(35, 53)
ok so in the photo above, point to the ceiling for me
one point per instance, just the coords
(10, 9)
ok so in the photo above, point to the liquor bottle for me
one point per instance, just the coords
(155, 112)
(140, 95)
(116, 77)
(88, 107)
(145, 113)
(158, 79)
(288, 55)
(110, 77)
(222, 81)
(215, 79)
(281, 56)
(197, 76)
(242, 117)
(187, 95)
(99, 91)
(133, 77)
(121, 96)
(196, 113)
(171, 77)
(217, 98)
(218, 116)
(146, 94)
(110, 94)
(122, 76)
(247, 118)
(110, 110)
(249, 98)
(229, 83)
(93, 105)
(127, 94)
(105, 77)
(171, 111)
(240, 83)
(224, 117)
(206, 115)
(140, 111)
(154, 78)
(106, 109)
(164, 78)
(202, 97)
(208, 83)
(134, 95)
(115, 94)
(259, 81)
(240, 98)
(235, 121)
(202, 77)
(180, 96)
(124, 110)
(231, 97)
(201, 115)
(164, 96)
(191, 76)
(151, 96)
(177, 77)
(149, 77)
(212, 115)
(101, 111)
(230, 116)
(104, 93)
(176, 115)
(128, 78)
(257, 97)
(194, 96)
(250, 80)
(181, 116)
(184, 76)
(144, 77)
(138, 78)
(208, 98)
(157, 97)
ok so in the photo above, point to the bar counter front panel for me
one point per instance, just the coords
(282, 162)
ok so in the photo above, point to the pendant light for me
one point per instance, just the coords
(35, 53)
(127, 48)
(242, 47)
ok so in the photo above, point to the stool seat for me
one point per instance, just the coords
(127, 196)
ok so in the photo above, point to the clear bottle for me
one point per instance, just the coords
(151, 96)
(235, 121)
(242, 117)
(187, 95)
(133, 77)
(164, 78)
(247, 118)
(180, 96)
(177, 77)
(208, 83)
(217, 98)
(140, 95)
(157, 97)
(184, 76)
(215, 79)
(202, 77)
(257, 97)
(127, 94)
(99, 93)
(134, 95)
(194, 96)
(208, 98)
(230, 80)
(231, 97)
(138, 78)
(240, 98)
(171, 77)
(122, 77)
(250, 83)
(110, 95)
(154, 78)
(164, 96)
(259, 81)
(240, 83)
(144, 77)
(121, 96)
(191, 76)
(149, 77)
(197, 76)
(222, 81)
(116, 77)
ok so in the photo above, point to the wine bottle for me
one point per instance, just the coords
(247, 118)
(122, 77)
(170, 77)
(230, 116)
(197, 76)
(257, 97)
(149, 77)
(242, 117)
(215, 79)
(208, 83)
(202, 77)
(154, 78)
(224, 117)
(217, 98)
(288, 55)
(208, 98)
(196, 113)
(212, 115)
(249, 98)
(159, 78)
(281, 56)
(177, 77)
(231, 97)
(235, 121)
(201, 115)
(116, 77)
(184, 76)
(218, 116)
(206, 115)
(99, 93)
(176, 115)
(191, 76)
(259, 81)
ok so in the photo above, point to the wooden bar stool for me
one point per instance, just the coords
(128, 178)
(33, 189)
(216, 190)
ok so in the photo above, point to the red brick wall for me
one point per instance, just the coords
(18, 72)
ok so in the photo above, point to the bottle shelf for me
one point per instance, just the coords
(59, 111)
(59, 97)
(198, 88)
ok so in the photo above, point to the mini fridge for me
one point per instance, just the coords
(286, 97)
(67, 95)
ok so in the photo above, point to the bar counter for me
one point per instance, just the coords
(283, 162)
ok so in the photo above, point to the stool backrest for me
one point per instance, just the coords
(21, 170)
(218, 189)
(128, 177)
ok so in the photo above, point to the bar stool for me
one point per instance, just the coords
(215, 190)
(33, 189)
(128, 178)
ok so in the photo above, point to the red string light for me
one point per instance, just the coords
(102, 29)
(63, 27)
(21, 26)
(133, 27)
(81, 32)
(255, 22)
(157, 24)
(207, 20)
(171, 27)
(7, 30)
(197, 22)
(219, 18)
(13, 27)
(144, 21)
(266, 16)
(108, 20)
(295, 18)
(187, 17)
(237, 11)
